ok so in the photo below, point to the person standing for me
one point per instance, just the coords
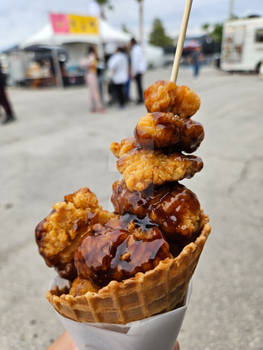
(138, 67)
(118, 66)
(4, 102)
(90, 63)
(128, 83)
(196, 58)
(100, 75)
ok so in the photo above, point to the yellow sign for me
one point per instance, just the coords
(83, 25)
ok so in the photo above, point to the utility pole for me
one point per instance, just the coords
(231, 9)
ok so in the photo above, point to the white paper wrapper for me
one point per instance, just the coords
(155, 333)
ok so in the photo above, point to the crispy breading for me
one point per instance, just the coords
(160, 130)
(172, 206)
(126, 145)
(166, 96)
(81, 286)
(140, 167)
(60, 232)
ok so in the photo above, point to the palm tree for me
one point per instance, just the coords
(141, 29)
(102, 4)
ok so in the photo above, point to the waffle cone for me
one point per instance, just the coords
(158, 290)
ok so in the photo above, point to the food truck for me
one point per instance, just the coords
(242, 45)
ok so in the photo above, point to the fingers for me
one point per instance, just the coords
(176, 346)
(63, 342)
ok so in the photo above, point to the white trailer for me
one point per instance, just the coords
(242, 45)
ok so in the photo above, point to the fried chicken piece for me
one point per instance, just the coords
(172, 206)
(81, 286)
(159, 130)
(118, 250)
(61, 231)
(166, 96)
(141, 167)
(125, 146)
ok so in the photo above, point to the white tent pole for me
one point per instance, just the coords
(101, 50)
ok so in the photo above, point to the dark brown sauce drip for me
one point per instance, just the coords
(175, 134)
(39, 232)
(59, 291)
(67, 271)
(169, 132)
(81, 226)
(169, 206)
(142, 223)
(191, 136)
(177, 247)
(114, 253)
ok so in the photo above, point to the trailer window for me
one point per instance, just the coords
(259, 35)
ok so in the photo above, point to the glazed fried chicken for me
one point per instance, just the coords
(125, 146)
(60, 232)
(160, 130)
(81, 286)
(166, 96)
(120, 249)
(140, 167)
(172, 206)
(155, 216)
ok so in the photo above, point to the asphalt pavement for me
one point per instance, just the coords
(56, 146)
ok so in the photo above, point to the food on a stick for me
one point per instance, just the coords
(166, 96)
(137, 261)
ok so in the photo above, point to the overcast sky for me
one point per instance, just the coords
(22, 18)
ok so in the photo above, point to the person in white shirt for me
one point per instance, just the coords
(118, 66)
(138, 67)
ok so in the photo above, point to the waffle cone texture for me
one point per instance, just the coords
(155, 291)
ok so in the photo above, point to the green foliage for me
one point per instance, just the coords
(158, 37)
(103, 2)
(206, 27)
(217, 32)
(125, 29)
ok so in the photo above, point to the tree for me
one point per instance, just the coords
(102, 4)
(158, 37)
(206, 27)
(217, 32)
(125, 29)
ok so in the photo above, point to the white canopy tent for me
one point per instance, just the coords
(46, 36)
(76, 44)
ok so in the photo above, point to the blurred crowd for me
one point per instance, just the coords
(115, 73)
(108, 76)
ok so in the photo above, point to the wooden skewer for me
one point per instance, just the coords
(180, 43)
